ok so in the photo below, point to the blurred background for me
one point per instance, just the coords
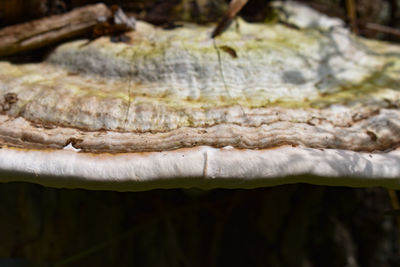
(290, 225)
(361, 13)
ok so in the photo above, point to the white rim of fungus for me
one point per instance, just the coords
(202, 167)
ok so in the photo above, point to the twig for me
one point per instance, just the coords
(382, 28)
(50, 30)
(234, 7)
(351, 14)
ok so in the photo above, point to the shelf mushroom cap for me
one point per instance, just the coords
(266, 105)
(203, 167)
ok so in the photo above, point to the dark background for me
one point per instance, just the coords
(290, 225)
(383, 12)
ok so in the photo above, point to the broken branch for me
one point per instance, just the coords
(234, 7)
(50, 30)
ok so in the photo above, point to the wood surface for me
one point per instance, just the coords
(50, 30)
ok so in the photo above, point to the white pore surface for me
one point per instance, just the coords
(202, 167)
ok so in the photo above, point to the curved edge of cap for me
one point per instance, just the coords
(202, 167)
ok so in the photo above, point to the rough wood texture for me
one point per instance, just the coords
(50, 30)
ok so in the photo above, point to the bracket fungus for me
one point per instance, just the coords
(264, 104)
